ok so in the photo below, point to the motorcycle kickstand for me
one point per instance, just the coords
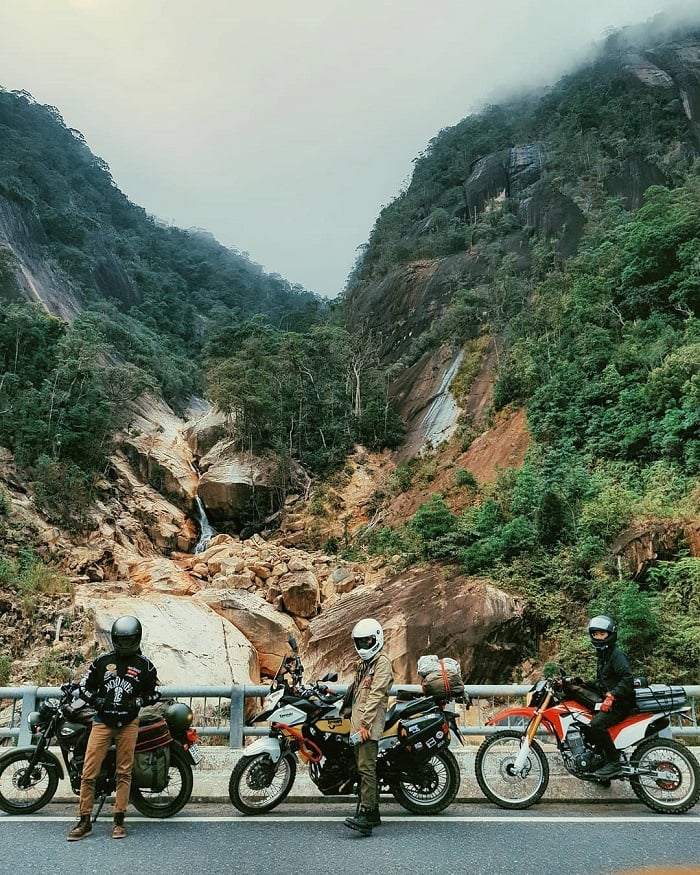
(100, 802)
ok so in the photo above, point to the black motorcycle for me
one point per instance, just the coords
(161, 782)
(307, 723)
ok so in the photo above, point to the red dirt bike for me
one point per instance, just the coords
(512, 769)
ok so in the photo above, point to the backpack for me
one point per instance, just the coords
(441, 678)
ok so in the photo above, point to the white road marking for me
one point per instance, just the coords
(413, 818)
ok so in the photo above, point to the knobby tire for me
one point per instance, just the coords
(258, 785)
(495, 758)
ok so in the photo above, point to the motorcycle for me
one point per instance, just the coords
(512, 768)
(162, 778)
(414, 763)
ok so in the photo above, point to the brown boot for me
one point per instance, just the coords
(118, 828)
(80, 830)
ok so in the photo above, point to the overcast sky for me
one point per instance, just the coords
(283, 126)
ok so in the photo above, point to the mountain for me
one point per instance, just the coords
(530, 304)
(73, 242)
(534, 291)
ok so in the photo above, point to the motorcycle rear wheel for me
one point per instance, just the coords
(494, 771)
(17, 800)
(432, 787)
(175, 795)
(258, 784)
(679, 788)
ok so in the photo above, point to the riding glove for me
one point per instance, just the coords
(608, 702)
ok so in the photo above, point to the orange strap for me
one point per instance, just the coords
(445, 679)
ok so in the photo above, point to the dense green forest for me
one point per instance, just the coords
(601, 347)
(162, 310)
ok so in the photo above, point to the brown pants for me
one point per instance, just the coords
(100, 739)
(366, 759)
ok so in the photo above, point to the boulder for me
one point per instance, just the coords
(262, 625)
(162, 467)
(204, 432)
(230, 486)
(186, 640)
(300, 593)
(466, 618)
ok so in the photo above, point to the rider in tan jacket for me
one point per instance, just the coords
(369, 695)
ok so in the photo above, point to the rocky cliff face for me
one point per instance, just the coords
(223, 615)
(525, 181)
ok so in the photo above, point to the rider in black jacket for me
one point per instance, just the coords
(616, 683)
(117, 685)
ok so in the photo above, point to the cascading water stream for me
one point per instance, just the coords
(206, 530)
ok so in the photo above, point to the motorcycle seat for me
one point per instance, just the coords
(407, 709)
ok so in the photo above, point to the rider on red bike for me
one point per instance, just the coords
(615, 682)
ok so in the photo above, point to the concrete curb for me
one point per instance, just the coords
(211, 778)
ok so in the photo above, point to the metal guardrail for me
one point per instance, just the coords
(220, 711)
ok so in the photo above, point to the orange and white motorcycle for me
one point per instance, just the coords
(414, 763)
(512, 769)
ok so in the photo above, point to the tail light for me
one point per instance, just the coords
(192, 736)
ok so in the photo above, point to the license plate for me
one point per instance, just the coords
(194, 753)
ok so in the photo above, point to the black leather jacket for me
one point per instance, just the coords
(614, 675)
(117, 686)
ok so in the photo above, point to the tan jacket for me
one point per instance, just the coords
(370, 695)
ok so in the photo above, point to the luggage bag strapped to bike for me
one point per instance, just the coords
(441, 678)
(152, 756)
(659, 697)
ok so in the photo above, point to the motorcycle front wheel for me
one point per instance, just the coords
(669, 776)
(429, 787)
(174, 796)
(496, 777)
(259, 784)
(41, 787)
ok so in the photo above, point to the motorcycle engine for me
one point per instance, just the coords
(583, 758)
(75, 770)
(331, 777)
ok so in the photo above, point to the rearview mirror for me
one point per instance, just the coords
(330, 676)
(293, 643)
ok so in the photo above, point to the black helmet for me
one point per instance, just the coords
(179, 717)
(606, 624)
(126, 635)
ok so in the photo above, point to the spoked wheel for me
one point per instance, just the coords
(670, 776)
(429, 787)
(25, 788)
(497, 778)
(174, 796)
(259, 784)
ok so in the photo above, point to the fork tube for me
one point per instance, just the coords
(530, 733)
(537, 719)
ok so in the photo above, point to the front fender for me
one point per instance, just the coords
(270, 746)
(48, 758)
(512, 717)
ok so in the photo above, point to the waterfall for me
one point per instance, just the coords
(206, 530)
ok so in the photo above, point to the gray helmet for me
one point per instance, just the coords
(602, 623)
(126, 635)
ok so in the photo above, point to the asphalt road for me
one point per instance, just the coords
(469, 839)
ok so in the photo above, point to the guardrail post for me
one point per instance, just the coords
(28, 705)
(235, 738)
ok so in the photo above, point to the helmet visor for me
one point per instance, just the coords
(367, 642)
(126, 643)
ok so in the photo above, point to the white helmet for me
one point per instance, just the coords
(368, 638)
